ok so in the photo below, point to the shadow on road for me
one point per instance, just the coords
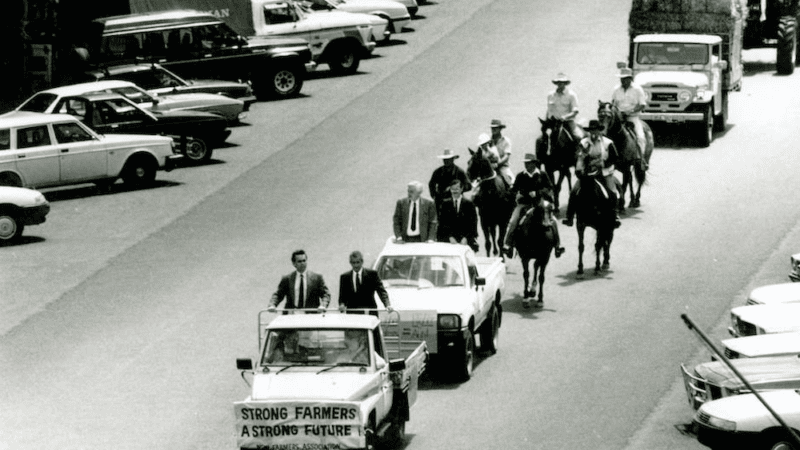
(91, 190)
(24, 240)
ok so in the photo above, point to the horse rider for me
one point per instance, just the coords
(593, 157)
(503, 146)
(531, 186)
(630, 99)
(562, 104)
(439, 185)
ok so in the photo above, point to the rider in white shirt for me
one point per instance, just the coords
(630, 99)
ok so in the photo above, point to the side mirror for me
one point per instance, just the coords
(480, 281)
(397, 365)
(622, 65)
(244, 364)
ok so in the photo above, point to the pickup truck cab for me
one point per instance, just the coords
(339, 39)
(330, 380)
(774, 293)
(751, 320)
(464, 289)
(775, 344)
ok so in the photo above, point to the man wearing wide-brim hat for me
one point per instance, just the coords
(530, 187)
(562, 104)
(503, 146)
(439, 185)
(630, 99)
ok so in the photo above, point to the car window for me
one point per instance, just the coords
(30, 137)
(134, 94)
(70, 132)
(5, 139)
(72, 106)
(275, 14)
(116, 111)
(39, 102)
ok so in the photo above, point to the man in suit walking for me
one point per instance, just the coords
(415, 217)
(357, 287)
(458, 221)
(302, 288)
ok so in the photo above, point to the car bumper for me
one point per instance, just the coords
(399, 24)
(34, 215)
(671, 117)
(716, 438)
(172, 161)
(311, 66)
(247, 101)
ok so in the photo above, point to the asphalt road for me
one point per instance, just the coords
(122, 316)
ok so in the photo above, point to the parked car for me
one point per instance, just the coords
(774, 294)
(20, 207)
(44, 150)
(751, 320)
(794, 275)
(231, 109)
(157, 79)
(775, 344)
(397, 14)
(196, 133)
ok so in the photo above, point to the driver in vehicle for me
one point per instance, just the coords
(356, 349)
(288, 348)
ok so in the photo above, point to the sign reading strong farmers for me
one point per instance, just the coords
(277, 425)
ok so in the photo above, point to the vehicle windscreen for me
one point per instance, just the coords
(39, 102)
(421, 271)
(292, 347)
(679, 53)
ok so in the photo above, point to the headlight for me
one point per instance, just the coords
(684, 96)
(449, 321)
(722, 424)
(38, 199)
(647, 96)
(703, 94)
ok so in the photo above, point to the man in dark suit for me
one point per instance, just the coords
(458, 221)
(302, 289)
(415, 217)
(357, 287)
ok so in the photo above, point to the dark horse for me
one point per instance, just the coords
(631, 163)
(493, 200)
(594, 209)
(534, 240)
(556, 149)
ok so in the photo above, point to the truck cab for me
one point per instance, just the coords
(686, 79)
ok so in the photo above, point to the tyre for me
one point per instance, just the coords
(722, 118)
(706, 129)
(283, 82)
(10, 228)
(370, 436)
(197, 150)
(139, 171)
(10, 179)
(787, 46)
(467, 359)
(344, 59)
(490, 332)
(779, 440)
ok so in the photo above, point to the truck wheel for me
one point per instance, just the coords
(787, 46)
(139, 171)
(467, 359)
(280, 83)
(10, 179)
(10, 228)
(197, 151)
(722, 118)
(778, 441)
(707, 127)
(344, 59)
(490, 332)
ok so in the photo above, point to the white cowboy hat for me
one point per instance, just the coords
(483, 138)
(625, 72)
(561, 78)
(447, 154)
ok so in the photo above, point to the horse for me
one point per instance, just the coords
(631, 163)
(493, 200)
(593, 208)
(534, 240)
(556, 149)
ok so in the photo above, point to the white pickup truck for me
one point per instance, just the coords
(751, 320)
(464, 289)
(323, 380)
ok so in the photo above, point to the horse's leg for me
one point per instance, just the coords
(487, 236)
(599, 244)
(525, 277)
(501, 233)
(561, 176)
(542, 264)
(607, 249)
(626, 180)
(495, 243)
(581, 228)
(633, 193)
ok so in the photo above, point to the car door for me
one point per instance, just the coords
(36, 156)
(387, 387)
(83, 156)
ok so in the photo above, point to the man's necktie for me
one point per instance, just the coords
(358, 281)
(301, 297)
(413, 216)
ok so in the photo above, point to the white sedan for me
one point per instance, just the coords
(20, 207)
(396, 13)
(229, 108)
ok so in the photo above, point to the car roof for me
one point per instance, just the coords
(684, 38)
(327, 320)
(82, 88)
(26, 118)
(155, 20)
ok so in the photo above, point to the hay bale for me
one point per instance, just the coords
(683, 16)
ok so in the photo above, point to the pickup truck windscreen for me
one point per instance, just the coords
(293, 347)
(671, 53)
(421, 271)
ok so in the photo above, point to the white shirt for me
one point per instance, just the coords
(628, 99)
(356, 275)
(297, 287)
(411, 206)
(457, 203)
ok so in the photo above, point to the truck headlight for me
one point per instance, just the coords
(703, 94)
(722, 424)
(684, 96)
(449, 321)
(647, 96)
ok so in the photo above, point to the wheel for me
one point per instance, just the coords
(722, 118)
(490, 332)
(707, 127)
(344, 59)
(787, 46)
(778, 440)
(10, 228)
(467, 359)
(139, 171)
(283, 82)
(370, 436)
(10, 179)
(197, 150)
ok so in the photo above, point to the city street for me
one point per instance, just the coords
(122, 316)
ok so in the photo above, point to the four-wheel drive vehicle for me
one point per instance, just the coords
(687, 57)
(743, 422)
(331, 380)
(775, 344)
(20, 207)
(43, 150)
(714, 380)
(464, 289)
(751, 320)
(196, 134)
(199, 45)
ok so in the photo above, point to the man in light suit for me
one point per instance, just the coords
(357, 287)
(415, 217)
(458, 221)
(302, 289)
